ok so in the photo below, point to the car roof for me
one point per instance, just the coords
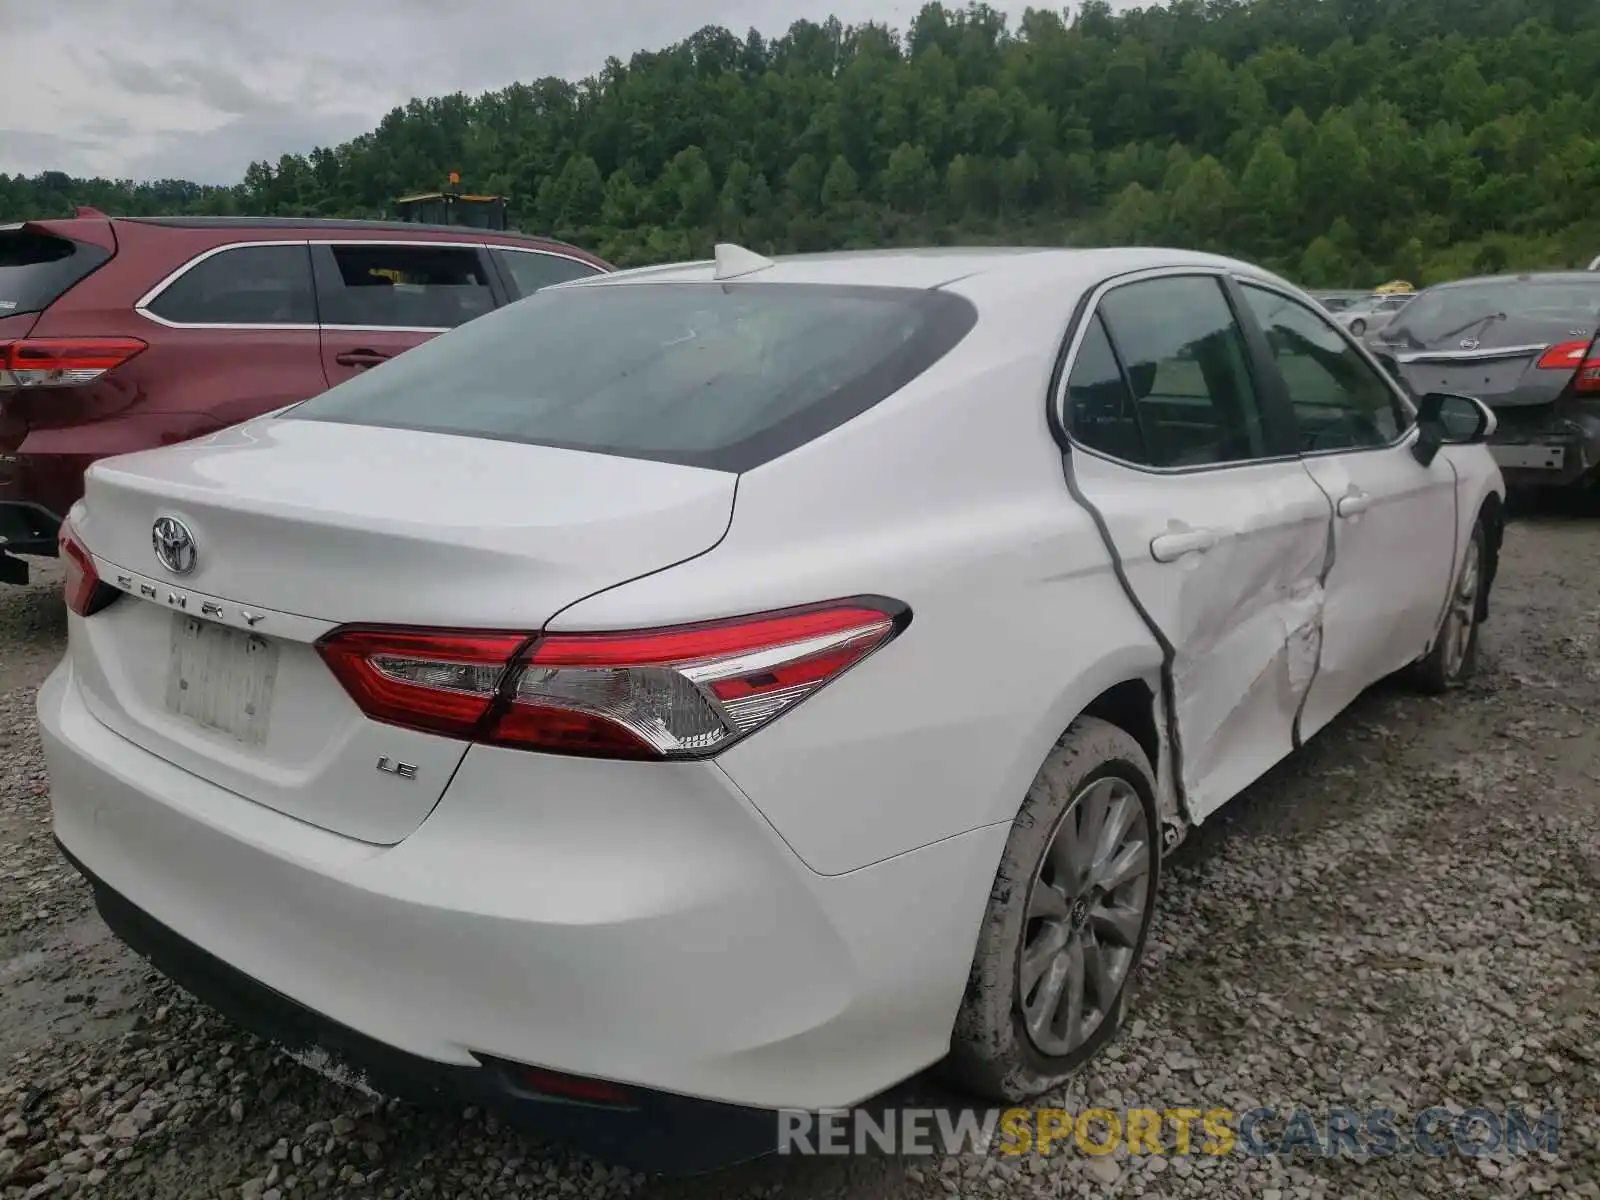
(336, 224)
(966, 269)
(1523, 277)
(220, 228)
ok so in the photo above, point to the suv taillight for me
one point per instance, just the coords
(85, 592)
(63, 362)
(684, 692)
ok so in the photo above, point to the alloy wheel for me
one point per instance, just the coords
(1086, 911)
(1462, 616)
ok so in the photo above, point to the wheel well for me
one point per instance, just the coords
(1493, 516)
(1130, 706)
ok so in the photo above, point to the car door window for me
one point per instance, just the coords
(531, 270)
(1100, 408)
(1184, 359)
(380, 286)
(1340, 400)
(243, 285)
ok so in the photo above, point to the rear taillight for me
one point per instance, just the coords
(685, 692)
(62, 362)
(1582, 358)
(86, 593)
(437, 682)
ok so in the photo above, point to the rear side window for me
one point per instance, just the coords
(243, 285)
(531, 270)
(36, 268)
(379, 286)
(725, 376)
(1186, 360)
(1101, 412)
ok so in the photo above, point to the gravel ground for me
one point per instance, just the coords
(1403, 916)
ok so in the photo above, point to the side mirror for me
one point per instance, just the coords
(1450, 419)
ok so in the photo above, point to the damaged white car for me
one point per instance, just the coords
(705, 690)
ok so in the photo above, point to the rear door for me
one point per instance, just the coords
(380, 299)
(1394, 519)
(1220, 533)
(238, 335)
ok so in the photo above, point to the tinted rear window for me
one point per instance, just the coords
(36, 269)
(722, 376)
(1435, 315)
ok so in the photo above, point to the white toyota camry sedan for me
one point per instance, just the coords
(736, 686)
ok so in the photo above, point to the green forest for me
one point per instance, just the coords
(1342, 142)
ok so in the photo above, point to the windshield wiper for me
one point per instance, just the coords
(1472, 324)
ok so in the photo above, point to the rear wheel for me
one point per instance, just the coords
(1358, 326)
(1454, 657)
(1067, 919)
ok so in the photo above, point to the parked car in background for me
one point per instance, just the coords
(1524, 344)
(1338, 301)
(118, 334)
(598, 713)
(1595, 265)
(1368, 316)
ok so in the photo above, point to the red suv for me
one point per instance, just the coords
(119, 334)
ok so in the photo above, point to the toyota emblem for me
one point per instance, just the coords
(174, 545)
(1469, 344)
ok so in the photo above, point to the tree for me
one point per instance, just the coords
(840, 185)
(909, 181)
(1339, 139)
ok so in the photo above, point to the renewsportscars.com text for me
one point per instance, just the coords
(1179, 1132)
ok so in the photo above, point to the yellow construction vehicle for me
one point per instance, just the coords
(453, 207)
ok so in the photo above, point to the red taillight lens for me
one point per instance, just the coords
(1568, 356)
(85, 592)
(685, 692)
(63, 362)
(1581, 358)
(440, 682)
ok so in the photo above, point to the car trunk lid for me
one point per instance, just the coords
(298, 527)
(1496, 357)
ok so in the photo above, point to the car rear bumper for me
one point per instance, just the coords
(35, 490)
(550, 912)
(651, 1130)
(1554, 452)
(27, 528)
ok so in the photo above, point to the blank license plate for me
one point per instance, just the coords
(1534, 458)
(221, 678)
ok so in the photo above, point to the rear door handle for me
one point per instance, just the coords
(1180, 540)
(359, 358)
(1353, 504)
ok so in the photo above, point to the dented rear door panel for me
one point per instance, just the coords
(1242, 611)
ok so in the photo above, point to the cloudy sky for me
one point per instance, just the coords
(197, 89)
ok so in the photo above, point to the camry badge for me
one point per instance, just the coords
(174, 545)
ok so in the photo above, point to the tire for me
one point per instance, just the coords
(1358, 327)
(1095, 768)
(1454, 657)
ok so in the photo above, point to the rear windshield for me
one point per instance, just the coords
(1436, 315)
(36, 268)
(725, 376)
